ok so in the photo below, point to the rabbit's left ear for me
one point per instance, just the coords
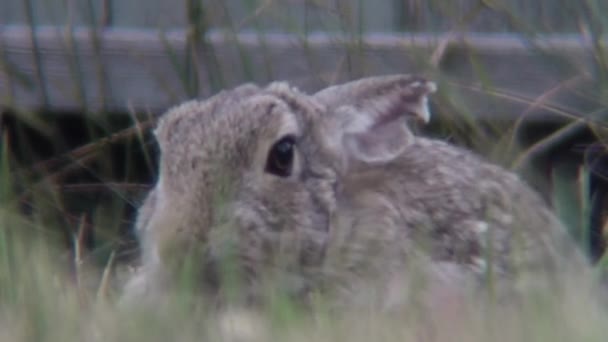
(366, 119)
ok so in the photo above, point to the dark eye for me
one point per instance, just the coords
(280, 157)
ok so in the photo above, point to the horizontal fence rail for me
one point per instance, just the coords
(302, 15)
(118, 70)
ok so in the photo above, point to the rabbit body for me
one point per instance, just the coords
(332, 192)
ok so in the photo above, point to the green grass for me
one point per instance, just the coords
(61, 249)
(41, 299)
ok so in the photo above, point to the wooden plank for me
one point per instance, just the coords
(51, 12)
(301, 15)
(137, 69)
(281, 15)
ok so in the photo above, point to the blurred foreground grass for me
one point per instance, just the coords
(46, 295)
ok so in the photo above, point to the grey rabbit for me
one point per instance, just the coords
(332, 192)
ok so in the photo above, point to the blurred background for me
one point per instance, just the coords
(81, 82)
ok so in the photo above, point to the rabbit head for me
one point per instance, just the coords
(256, 170)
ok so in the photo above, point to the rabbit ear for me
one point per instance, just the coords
(366, 118)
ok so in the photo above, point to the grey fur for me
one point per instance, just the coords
(364, 200)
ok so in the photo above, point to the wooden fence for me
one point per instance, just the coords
(89, 56)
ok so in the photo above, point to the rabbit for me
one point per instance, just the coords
(331, 192)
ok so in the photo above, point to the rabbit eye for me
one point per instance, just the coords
(280, 157)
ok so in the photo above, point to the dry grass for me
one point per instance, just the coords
(40, 301)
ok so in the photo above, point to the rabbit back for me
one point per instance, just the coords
(446, 203)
